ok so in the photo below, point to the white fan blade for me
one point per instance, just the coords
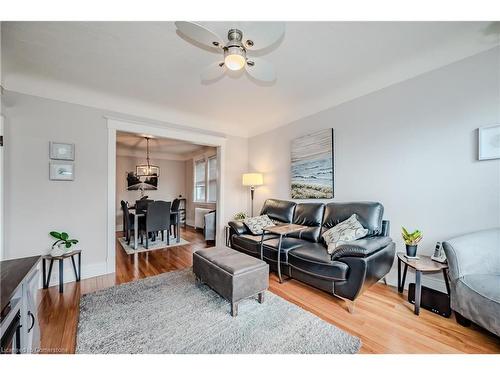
(199, 34)
(261, 69)
(262, 35)
(213, 71)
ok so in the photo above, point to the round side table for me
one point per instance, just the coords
(424, 264)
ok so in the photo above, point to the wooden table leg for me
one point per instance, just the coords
(418, 291)
(61, 276)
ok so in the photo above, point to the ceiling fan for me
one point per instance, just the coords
(237, 49)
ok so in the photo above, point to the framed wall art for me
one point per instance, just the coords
(312, 163)
(61, 171)
(62, 151)
(489, 142)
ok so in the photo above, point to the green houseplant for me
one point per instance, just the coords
(411, 240)
(62, 244)
(240, 216)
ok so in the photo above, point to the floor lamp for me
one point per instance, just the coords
(252, 180)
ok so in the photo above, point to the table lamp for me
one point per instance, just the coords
(252, 180)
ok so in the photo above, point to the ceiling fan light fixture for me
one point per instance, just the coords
(234, 58)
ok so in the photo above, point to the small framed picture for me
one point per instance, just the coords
(62, 151)
(489, 142)
(61, 171)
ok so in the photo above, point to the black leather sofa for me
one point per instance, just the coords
(349, 271)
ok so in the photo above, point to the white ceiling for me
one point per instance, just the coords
(146, 69)
(131, 144)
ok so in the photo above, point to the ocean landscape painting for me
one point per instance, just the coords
(312, 166)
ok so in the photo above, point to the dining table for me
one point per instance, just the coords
(142, 213)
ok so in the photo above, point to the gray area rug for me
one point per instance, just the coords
(169, 313)
(153, 245)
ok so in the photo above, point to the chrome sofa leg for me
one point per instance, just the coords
(350, 306)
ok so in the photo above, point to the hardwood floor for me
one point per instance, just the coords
(383, 319)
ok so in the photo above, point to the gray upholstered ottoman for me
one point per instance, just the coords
(234, 275)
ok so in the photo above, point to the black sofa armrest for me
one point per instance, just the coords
(386, 228)
(361, 248)
(238, 227)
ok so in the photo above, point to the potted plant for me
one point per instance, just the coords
(411, 240)
(240, 216)
(63, 243)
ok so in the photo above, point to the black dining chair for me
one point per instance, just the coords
(141, 205)
(157, 220)
(128, 221)
(173, 217)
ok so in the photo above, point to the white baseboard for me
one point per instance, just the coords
(88, 271)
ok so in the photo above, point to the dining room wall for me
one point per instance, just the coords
(34, 205)
(171, 182)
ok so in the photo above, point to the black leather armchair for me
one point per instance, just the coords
(349, 271)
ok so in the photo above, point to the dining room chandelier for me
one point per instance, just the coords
(147, 170)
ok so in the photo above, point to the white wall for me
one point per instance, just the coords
(411, 146)
(35, 205)
(171, 183)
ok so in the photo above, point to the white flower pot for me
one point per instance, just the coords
(59, 249)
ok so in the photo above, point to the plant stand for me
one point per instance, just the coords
(51, 259)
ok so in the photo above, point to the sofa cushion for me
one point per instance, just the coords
(279, 210)
(258, 223)
(270, 247)
(249, 243)
(310, 215)
(344, 232)
(369, 214)
(362, 247)
(313, 258)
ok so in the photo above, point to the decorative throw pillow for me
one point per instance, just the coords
(346, 231)
(257, 223)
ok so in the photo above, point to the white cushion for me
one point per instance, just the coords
(346, 231)
(257, 223)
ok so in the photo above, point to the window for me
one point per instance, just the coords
(205, 180)
(199, 181)
(212, 179)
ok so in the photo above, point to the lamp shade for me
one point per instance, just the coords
(252, 179)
